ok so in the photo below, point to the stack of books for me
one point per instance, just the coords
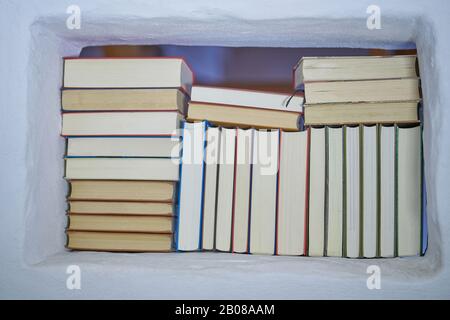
(365, 157)
(121, 119)
(354, 90)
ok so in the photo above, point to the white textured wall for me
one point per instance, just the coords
(32, 257)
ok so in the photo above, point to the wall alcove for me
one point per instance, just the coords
(32, 223)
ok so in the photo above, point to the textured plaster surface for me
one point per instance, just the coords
(34, 38)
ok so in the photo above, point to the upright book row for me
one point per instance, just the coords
(351, 191)
(123, 151)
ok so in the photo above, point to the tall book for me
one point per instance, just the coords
(352, 192)
(369, 190)
(291, 211)
(409, 187)
(264, 192)
(316, 215)
(242, 190)
(335, 192)
(225, 189)
(188, 233)
(387, 192)
(212, 154)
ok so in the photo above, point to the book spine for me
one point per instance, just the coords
(233, 200)
(277, 196)
(306, 230)
(202, 195)
(178, 191)
(396, 192)
(344, 191)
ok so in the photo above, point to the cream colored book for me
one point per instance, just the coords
(158, 147)
(263, 195)
(409, 190)
(120, 123)
(389, 90)
(212, 153)
(122, 169)
(369, 191)
(119, 241)
(127, 73)
(335, 192)
(353, 113)
(352, 192)
(354, 68)
(387, 191)
(162, 191)
(225, 189)
(117, 223)
(243, 117)
(244, 145)
(153, 99)
(120, 207)
(292, 193)
(316, 228)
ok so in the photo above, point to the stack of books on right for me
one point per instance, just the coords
(365, 187)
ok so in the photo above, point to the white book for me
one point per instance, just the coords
(127, 73)
(264, 189)
(247, 98)
(122, 169)
(292, 193)
(335, 192)
(370, 202)
(387, 191)
(159, 147)
(144, 123)
(244, 144)
(209, 199)
(409, 191)
(225, 189)
(316, 230)
(191, 187)
(352, 214)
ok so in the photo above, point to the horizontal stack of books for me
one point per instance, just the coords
(121, 119)
(354, 90)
